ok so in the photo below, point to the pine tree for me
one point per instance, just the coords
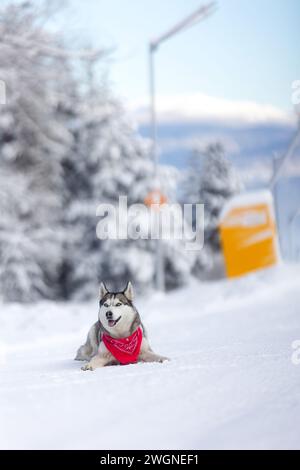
(218, 183)
(210, 180)
(32, 143)
(111, 160)
(108, 160)
(64, 149)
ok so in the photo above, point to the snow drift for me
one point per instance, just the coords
(231, 382)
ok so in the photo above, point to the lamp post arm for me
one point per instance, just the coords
(198, 15)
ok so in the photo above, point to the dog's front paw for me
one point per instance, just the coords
(87, 367)
(164, 359)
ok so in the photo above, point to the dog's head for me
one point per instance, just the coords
(117, 313)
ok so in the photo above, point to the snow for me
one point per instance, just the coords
(230, 383)
(249, 198)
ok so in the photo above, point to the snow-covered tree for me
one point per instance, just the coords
(32, 143)
(111, 160)
(211, 180)
(66, 147)
(218, 183)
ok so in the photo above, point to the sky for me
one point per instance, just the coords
(246, 53)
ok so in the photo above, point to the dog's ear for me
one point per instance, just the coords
(103, 290)
(128, 292)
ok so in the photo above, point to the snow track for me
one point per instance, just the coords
(231, 382)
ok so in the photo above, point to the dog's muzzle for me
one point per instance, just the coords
(110, 320)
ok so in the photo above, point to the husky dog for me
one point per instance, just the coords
(118, 320)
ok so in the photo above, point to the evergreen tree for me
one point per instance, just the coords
(210, 180)
(32, 143)
(218, 183)
(64, 149)
(111, 160)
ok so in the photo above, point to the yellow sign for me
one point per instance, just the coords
(248, 233)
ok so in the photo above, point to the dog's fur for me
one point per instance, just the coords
(118, 318)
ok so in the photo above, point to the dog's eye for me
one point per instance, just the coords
(119, 304)
(106, 305)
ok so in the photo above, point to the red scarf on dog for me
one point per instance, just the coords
(125, 350)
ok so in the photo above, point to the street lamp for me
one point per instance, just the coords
(199, 15)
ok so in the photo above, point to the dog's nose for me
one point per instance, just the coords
(109, 315)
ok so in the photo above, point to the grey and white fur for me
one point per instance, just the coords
(119, 318)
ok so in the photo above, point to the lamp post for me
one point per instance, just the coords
(199, 15)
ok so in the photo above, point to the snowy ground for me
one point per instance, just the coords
(231, 382)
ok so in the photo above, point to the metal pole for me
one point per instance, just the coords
(294, 217)
(159, 255)
(199, 15)
(291, 223)
(292, 147)
(290, 250)
(279, 165)
(153, 109)
(276, 199)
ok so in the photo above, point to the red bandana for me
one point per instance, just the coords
(125, 350)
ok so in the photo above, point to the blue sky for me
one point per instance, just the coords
(248, 50)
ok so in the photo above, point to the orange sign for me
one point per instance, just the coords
(155, 198)
(248, 234)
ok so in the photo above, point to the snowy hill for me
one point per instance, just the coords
(230, 384)
(246, 144)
